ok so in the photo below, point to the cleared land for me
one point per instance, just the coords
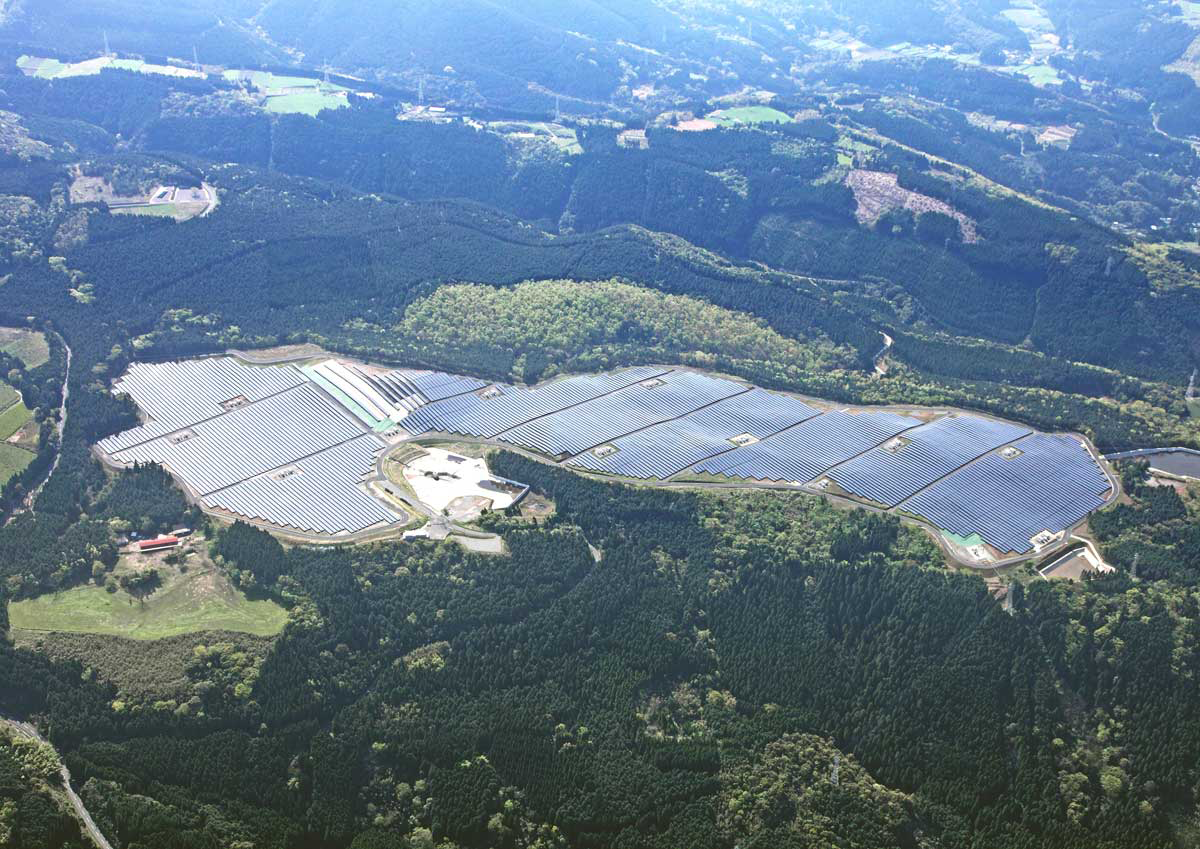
(180, 203)
(292, 95)
(28, 346)
(52, 69)
(877, 192)
(200, 599)
(310, 103)
(749, 115)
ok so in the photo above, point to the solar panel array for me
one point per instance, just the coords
(933, 451)
(182, 393)
(630, 409)
(250, 440)
(318, 494)
(434, 385)
(807, 450)
(1051, 486)
(665, 449)
(270, 444)
(282, 421)
(473, 415)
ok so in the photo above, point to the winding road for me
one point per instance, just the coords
(24, 729)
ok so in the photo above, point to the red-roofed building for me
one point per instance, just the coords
(148, 545)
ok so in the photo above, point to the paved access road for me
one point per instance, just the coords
(24, 729)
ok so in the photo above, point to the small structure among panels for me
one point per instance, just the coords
(809, 449)
(577, 428)
(665, 449)
(499, 407)
(320, 494)
(172, 395)
(902, 467)
(1011, 498)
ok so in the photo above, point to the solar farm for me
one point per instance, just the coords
(298, 446)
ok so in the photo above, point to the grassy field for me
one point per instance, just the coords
(13, 419)
(28, 346)
(163, 210)
(304, 103)
(200, 599)
(1039, 75)
(13, 461)
(52, 69)
(749, 115)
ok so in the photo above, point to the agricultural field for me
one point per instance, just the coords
(28, 346)
(284, 95)
(1039, 74)
(13, 418)
(13, 460)
(742, 115)
(309, 103)
(52, 69)
(561, 137)
(191, 596)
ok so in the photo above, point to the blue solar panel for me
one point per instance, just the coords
(474, 415)
(664, 449)
(1051, 486)
(434, 385)
(631, 409)
(807, 450)
(933, 451)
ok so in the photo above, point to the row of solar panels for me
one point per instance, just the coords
(281, 452)
(490, 413)
(319, 494)
(1051, 485)
(176, 394)
(665, 449)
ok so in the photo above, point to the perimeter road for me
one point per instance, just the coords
(24, 729)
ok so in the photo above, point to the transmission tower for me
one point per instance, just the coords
(106, 51)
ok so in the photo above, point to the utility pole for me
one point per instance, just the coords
(837, 766)
(557, 109)
(421, 89)
(196, 57)
(106, 52)
(1133, 569)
